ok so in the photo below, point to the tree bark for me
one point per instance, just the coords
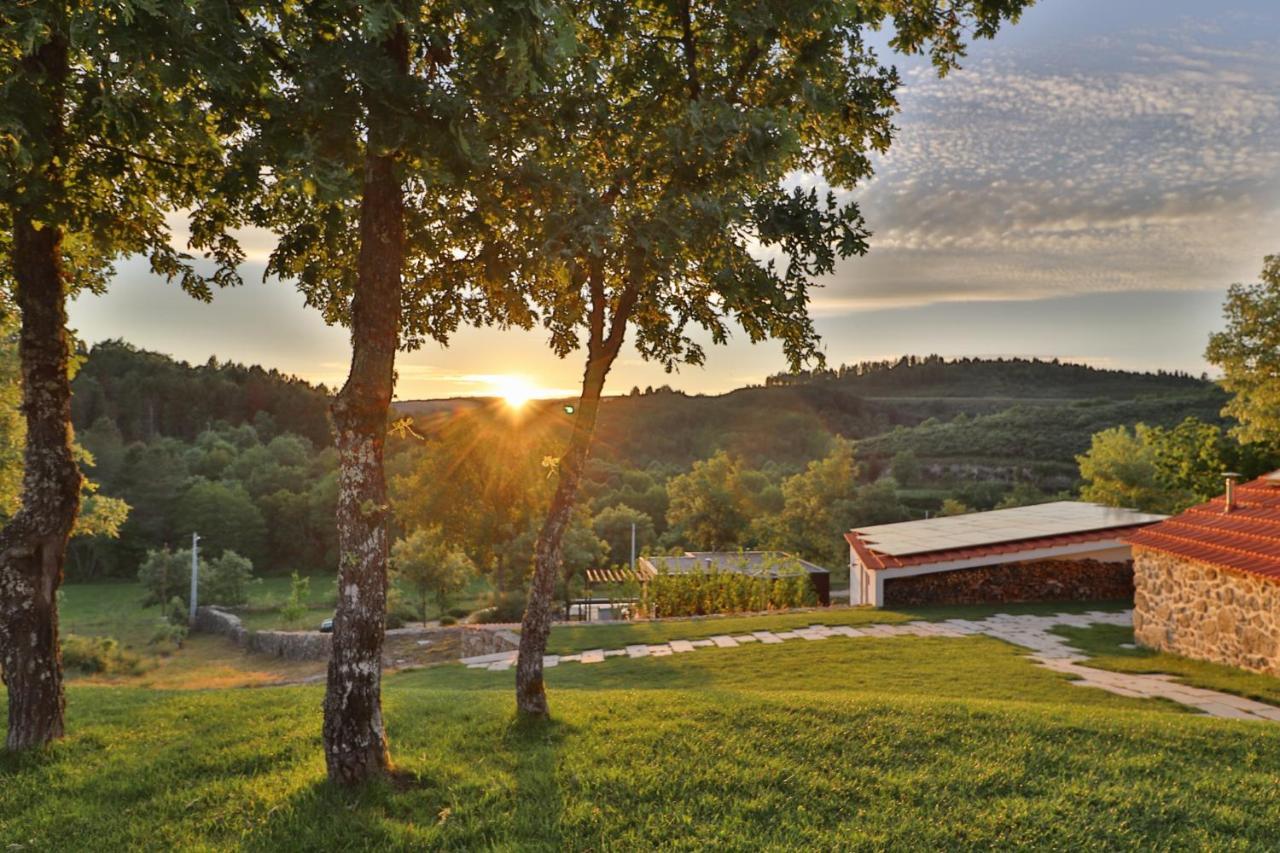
(33, 545)
(355, 741)
(531, 695)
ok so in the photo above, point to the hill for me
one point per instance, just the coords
(148, 394)
(1012, 413)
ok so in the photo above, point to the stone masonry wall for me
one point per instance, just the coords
(313, 645)
(1199, 611)
(1040, 580)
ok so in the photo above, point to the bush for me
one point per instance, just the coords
(704, 593)
(448, 620)
(166, 575)
(459, 612)
(299, 592)
(99, 655)
(168, 634)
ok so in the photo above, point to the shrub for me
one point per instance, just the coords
(168, 634)
(99, 655)
(166, 575)
(459, 612)
(299, 592)
(703, 593)
(448, 620)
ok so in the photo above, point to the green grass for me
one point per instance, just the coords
(1104, 645)
(566, 638)
(907, 743)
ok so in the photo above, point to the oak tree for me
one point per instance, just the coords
(104, 128)
(357, 152)
(665, 196)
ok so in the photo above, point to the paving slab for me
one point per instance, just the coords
(724, 641)
(638, 651)
(593, 656)
(550, 661)
(767, 637)
(681, 646)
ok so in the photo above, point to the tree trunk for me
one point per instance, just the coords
(33, 545)
(355, 742)
(531, 695)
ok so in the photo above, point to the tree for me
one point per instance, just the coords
(225, 517)
(366, 120)
(954, 506)
(906, 468)
(675, 131)
(1120, 470)
(613, 524)
(708, 508)
(98, 146)
(166, 575)
(819, 505)
(430, 567)
(1248, 352)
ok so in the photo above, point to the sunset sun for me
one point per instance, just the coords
(515, 391)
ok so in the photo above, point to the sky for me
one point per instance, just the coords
(1085, 187)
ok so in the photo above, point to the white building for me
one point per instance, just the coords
(1065, 550)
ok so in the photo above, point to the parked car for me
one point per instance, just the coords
(326, 627)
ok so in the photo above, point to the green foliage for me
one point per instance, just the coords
(1167, 470)
(704, 593)
(906, 468)
(137, 395)
(613, 525)
(1248, 353)
(166, 575)
(99, 656)
(431, 568)
(952, 506)
(296, 606)
(224, 515)
(1120, 470)
(711, 505)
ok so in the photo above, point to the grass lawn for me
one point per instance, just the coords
(1104, 645)
(910, 743)
(566, 638)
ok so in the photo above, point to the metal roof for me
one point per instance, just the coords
(1246, 539)
(985, 529)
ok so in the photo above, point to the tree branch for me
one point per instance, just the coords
(690, 50)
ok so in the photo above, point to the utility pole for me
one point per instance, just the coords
(633, 546)
(195, 573)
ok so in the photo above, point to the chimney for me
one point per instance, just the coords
(1230, 501)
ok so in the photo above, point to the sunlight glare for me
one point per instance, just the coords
(514, 390)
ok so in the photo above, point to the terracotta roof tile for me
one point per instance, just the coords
(1246, 539)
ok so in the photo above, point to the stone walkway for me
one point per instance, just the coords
(1030, 632)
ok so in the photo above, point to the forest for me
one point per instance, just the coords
(243, 455)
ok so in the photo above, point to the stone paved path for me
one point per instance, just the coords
(1030, 632)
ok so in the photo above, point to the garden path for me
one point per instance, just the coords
(1048, 650)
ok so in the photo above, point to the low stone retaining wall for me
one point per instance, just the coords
(215, 620)
(1040, 580)
(1199, 611)
(486, 641)
(313, 645)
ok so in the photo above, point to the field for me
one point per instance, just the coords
(900, 742)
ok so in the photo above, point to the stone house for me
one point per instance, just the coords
(1057, 551)
(1207, 581)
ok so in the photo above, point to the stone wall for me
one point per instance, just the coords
(1199, 611)
(291, 645)
(215, 620)
(1039, 580)
(486, 641)
(313, 645)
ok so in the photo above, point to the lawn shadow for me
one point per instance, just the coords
(536, 746)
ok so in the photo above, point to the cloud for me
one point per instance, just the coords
(1133, 161)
